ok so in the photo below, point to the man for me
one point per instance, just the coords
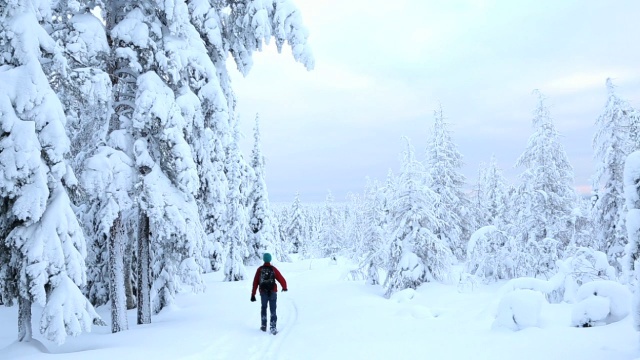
(265, 278)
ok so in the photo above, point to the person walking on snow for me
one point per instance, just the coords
(265, 279)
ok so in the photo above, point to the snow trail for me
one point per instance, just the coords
(436, 319)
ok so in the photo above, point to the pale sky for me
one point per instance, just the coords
(382, 67)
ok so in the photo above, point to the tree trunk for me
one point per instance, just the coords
(24, 319)
(116, 277)
(144, 273)
(128, 271)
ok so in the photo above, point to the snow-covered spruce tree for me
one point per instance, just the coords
(157, 46)
(281, 221)
(416, 253)
(374, 215)
(214, 186)
(280, 247)
(295, 228)
(107, 179)
(582, 226)
(208, 113)
(313, 230)
(261, 233)
(43, 248)
(246, 177)
(85, 90)
(632, 256)
(546, 197)
(491, 195)
(611, 145)
(354, 226)
(443, 165)
(86, 94)
(331, 232)
(238, 225)
(169, 182)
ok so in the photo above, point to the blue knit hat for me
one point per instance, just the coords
(266, 257)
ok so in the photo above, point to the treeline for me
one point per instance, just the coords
(413, 226)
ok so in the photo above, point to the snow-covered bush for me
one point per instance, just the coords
(408, 273)
(488, 256)
(519, 309)
(545, 254)
(584, 266)
(600, 303)
(467, 283)
(552, 288)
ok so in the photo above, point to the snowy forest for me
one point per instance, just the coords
(123, 183)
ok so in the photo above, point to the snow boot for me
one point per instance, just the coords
(274, 331)
(263, 328)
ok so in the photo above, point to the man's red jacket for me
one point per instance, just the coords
(279, 278)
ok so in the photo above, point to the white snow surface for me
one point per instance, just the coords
(325, 317)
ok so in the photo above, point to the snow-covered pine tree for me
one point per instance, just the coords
(43, 247)
(444, 177)
(611, 145)
(416, 253)
(261, 233)
(546, 197)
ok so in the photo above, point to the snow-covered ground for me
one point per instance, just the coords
(324, 316)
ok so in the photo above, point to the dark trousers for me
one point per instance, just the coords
(270, 298)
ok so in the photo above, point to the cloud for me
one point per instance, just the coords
(585, 81)
(381, 69)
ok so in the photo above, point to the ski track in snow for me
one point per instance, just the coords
(258, 345)
(273, 349)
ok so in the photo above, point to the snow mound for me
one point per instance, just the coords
(519, 309)
(403, 296)
(585, 265)
(591, 312)
(600, 303)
